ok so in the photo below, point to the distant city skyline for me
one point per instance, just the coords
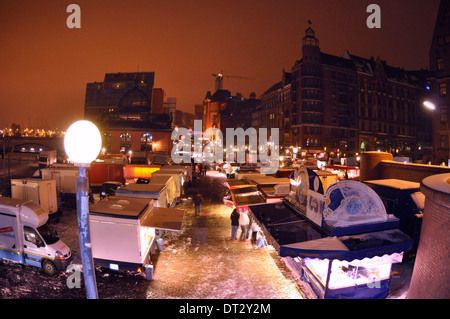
(47, 65)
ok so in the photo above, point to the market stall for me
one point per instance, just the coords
(342, 239)
(124, 231)
(355, 266)
(171, 188)
(177, 176)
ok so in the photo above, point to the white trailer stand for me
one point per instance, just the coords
(123, 232)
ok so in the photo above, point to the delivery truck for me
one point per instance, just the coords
(47, 158)
(66, 181)
(41, 191)
(124, 232)
(100, 172)
(26, 238)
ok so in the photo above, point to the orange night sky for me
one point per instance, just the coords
(46, 65)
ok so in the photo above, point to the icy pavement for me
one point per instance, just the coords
(221, 269)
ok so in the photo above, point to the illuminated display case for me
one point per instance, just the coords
(350, 266)
(344, 275)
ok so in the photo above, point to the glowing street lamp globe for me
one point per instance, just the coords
(429, 105)
(82, 142)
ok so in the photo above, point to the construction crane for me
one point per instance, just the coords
(219, 79)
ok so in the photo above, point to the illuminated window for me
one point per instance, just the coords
(442, 88)
(146, 142)
(125, 142)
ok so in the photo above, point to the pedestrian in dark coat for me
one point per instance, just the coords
(234, 223)
(198, 203)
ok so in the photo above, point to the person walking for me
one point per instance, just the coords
(234, 223)
(198, 203)
(244, 222)
(254, 228)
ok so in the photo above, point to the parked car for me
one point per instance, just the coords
(109, 188)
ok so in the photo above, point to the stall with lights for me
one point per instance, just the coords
(342, 239)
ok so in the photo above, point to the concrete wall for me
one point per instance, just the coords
(431, 274)
(379, 165)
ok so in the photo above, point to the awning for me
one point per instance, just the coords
(349, 248)
(164, 218)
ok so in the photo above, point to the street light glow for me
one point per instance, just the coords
(429, 105)
(82, 142)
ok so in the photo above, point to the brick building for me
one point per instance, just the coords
(341, 106)
(440, 83)
(129, 112)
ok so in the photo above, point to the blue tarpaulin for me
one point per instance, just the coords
(351, 247)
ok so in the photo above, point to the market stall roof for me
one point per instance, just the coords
(341, 167)
(272, 191)
(164, 218)
(237, 183)
(270, 181)
(123, 207)
(353, 247)
(248, 199)
(160, 179)
(245, 174)
(263, 179)
(134, 188)
(244, 190)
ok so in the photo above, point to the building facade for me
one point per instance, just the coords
(341, 106)
(440, 84)
(104, 97)
(238, 112)
(129, 112)
(213, 104)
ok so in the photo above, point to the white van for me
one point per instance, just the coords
(26, 238)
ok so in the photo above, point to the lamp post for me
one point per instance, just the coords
(82, 144)
(430, 105)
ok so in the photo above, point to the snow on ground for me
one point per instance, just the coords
(221, 269)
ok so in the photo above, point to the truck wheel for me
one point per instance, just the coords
(48, 267)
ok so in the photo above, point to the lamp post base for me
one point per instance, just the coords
(84, 233)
